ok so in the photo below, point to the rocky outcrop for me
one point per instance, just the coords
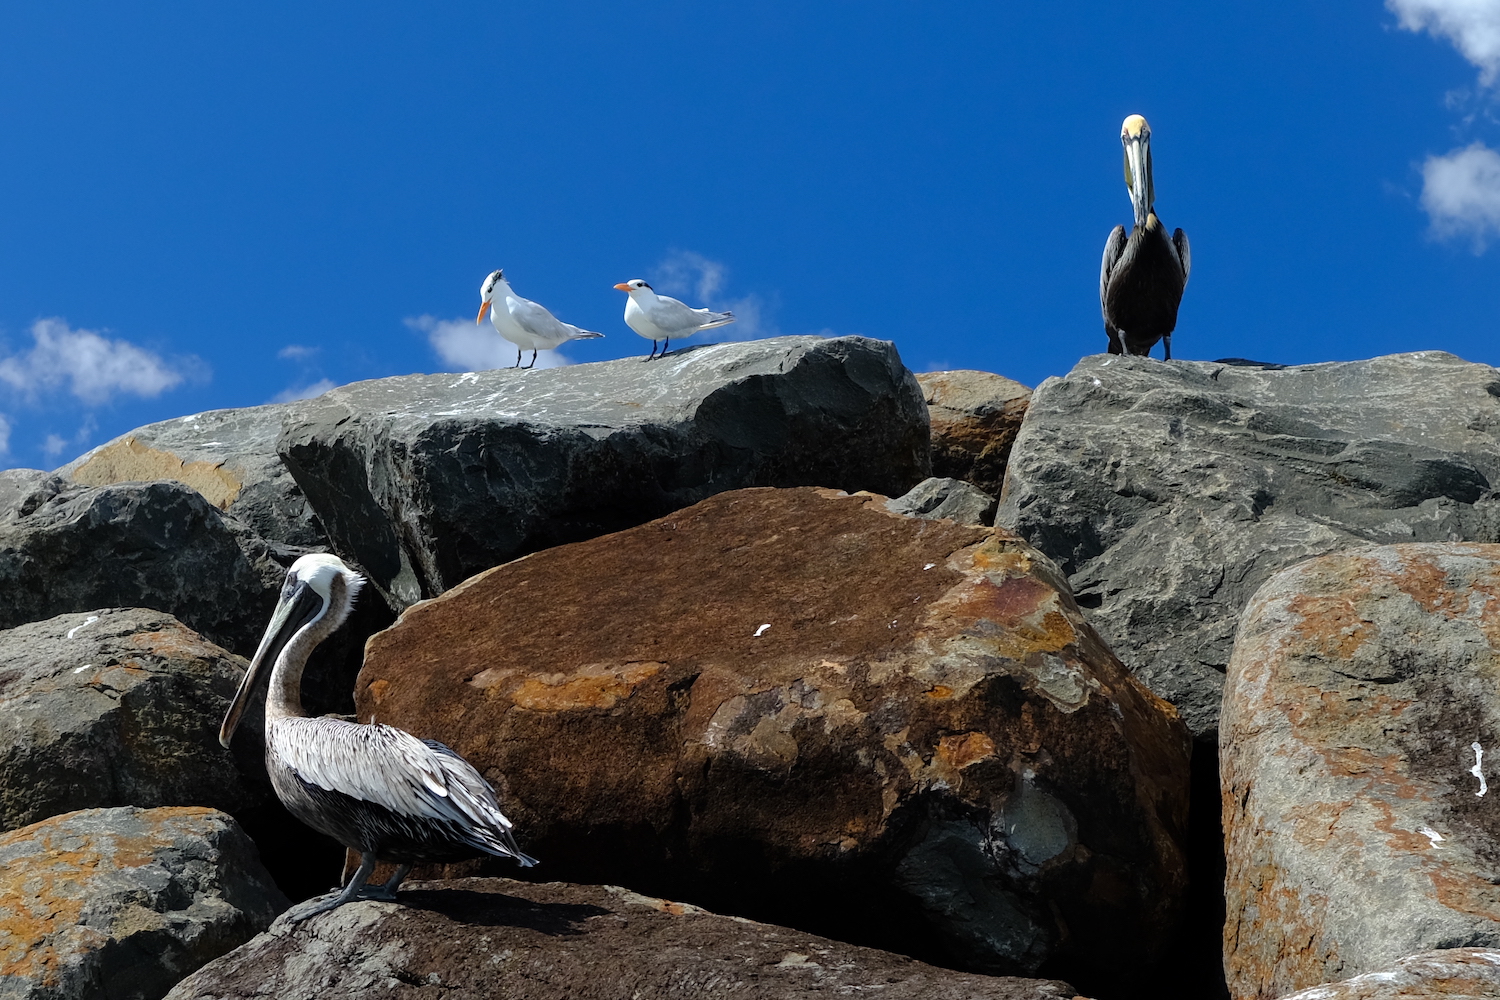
(1453, 972)
(799, 706)
(117, 707)
(480, 938)
(122, 903)
(1359, 728)
(1169, 492)
(950, 498)
(229, 456)
(426, 480)
(975, 417)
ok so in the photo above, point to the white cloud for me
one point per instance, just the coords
(1473, 26)
(94, 367)
(296, 392)
(1461, 192)
(53, 446)
(466, 346)
(296, 352)
(697, 280)
(4, 435)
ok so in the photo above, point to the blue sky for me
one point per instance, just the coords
(209, 205)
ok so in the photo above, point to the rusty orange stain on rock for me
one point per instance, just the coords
(939, 691)
(601, 689)
(964, 749)
(378, 689)
(1334, 623)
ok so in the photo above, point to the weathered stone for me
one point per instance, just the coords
(482, 938)
(1357, 813)
(798, 706)
(68, 548)
(1168, 492)
(1454, 973)
(426, 480)
(116, 707)
(975, 417)
(122, 903)
(951, 498)
(229, 456)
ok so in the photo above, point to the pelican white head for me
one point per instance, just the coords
(1135, 136)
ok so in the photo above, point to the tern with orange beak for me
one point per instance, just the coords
(375, 789)
(523, 322)
(1142, 277)
(661, 317)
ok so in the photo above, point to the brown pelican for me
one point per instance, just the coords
(525, 323)
(1141, 278)
(376, 789)
(661, 317)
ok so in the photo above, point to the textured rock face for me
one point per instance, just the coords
(975, 417)
(67, 548)
(797, 705)
(1168, 492)
(122, 903)
(429, 479)
(1453, 972)
(116, 707)
(951, 498)
(1360, 722)
(229, 456)
(481, 938)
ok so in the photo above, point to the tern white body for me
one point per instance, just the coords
(661, 317)
(527, 324)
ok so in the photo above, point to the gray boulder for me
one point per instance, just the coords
(975, 417)
(1454, 973)
(951, 498)
(229, 456)
(118, 707)
(491, 937)
(120, 904)
(1169, 492)
(428, 479)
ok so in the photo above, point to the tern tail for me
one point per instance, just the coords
(586, 335)
(719, 319)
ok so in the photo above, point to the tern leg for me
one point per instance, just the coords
(533, 358)
(518, 359)
(664, 345)
(653, 351)
(351, 891)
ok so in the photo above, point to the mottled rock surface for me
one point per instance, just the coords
(67, 548)
(1357, 757)
(482, 938)
(229, 456)
(1169, 491)
(122, 903)
(116, 707)
(951, 498)
(799, 706)
(975, 417)
(1453, 973)
(426, 480)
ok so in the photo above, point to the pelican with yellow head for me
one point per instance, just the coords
(1142, 276)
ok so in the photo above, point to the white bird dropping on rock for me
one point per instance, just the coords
(760, 630)
(1475, 770)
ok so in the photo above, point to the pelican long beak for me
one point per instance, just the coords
(482, 307)
(1138, 175)
(623, 287)
(299, 604)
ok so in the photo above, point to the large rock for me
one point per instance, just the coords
(120, 904)
(1170, 491)
(229, 456)
(1359, 735)
(953, 499)
(799, 706)
(428, 479)
(482, 938)
(1452, 972)
(975, 417)
(116, 707)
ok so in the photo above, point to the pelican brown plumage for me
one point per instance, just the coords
(374, 788)
(1142, 277)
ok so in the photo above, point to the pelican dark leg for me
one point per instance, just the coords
(1167, 346)
(387, 891)
(351, 891)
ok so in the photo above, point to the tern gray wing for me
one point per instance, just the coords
(536, 320)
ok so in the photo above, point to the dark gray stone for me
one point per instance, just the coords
(490, 937)
(951, 498)
(120, 904)
(428, 479)
(1169, 491)
(227, 455)
(117, 707)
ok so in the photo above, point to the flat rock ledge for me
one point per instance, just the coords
(491, 937)
(1448, 974)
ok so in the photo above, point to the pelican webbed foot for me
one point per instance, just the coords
(322, 904)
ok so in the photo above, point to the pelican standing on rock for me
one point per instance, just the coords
(523, 322)
(661, 317)
(376, 789)
(1141, 278)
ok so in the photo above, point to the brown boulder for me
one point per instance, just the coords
(1357, 730)
(974, 417)
(490, 937)
(799, 706)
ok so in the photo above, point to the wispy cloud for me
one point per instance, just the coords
(295, 392)
(297, 352)
(1473, 26)
(466, 347)
(4, 435)
(700, 281)
(1461, 192)
(94, 368)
